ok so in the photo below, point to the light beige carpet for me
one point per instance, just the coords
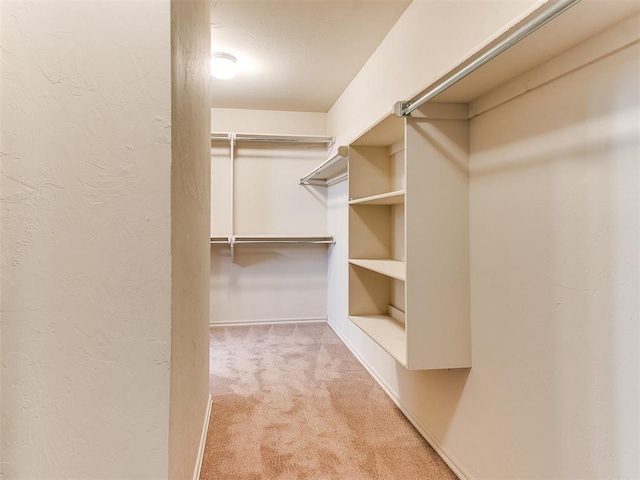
(290, 402)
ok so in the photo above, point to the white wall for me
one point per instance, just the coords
(429, 37)
(267, 283)
(190, 191)
(271, 122)
(85, 259)
(555, 221)
(554, 391)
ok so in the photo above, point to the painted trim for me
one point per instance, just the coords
(422, 429)
(203, 441)
(269, 321)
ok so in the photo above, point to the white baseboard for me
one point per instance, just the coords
(203, 441)
(424, 431)
(269, 321)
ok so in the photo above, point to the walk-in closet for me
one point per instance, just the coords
(320, 239)
(452, 244)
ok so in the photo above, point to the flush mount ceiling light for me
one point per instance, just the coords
(223, 65)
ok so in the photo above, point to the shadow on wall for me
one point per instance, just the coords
(438, 390)
(249, 256)
(555, 217)
(266, 282)
(446, 141)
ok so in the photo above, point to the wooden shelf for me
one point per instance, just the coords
(387, 132)
(391, 268)
(329, 169)
(390, 198)
(386, 332)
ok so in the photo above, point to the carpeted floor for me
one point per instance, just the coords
(290, 402)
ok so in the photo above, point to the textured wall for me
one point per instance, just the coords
(190, 190)
(85, 256)
(556, 284)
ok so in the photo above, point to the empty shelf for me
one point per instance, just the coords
(389, 198)
(327, 170)
(386, 332)
(391, 268)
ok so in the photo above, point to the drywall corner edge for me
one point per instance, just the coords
(203, 440)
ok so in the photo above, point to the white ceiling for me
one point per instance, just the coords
(296, 55)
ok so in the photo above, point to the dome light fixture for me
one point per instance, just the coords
(223, 65)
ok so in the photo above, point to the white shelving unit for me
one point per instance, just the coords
(266, 143)
(409, 240)
(410, 213)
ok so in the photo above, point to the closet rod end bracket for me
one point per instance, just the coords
(399, 107)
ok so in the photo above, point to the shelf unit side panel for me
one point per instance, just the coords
(398, 296)
(370, 171)
(397, 167)
(437, 244)
(397, 232)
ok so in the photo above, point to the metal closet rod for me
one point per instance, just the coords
(294, 139)
(404, 109)
(235, 240)
(294, 242)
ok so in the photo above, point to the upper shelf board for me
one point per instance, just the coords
(329, 169)
(390, 198)
(385, 133)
